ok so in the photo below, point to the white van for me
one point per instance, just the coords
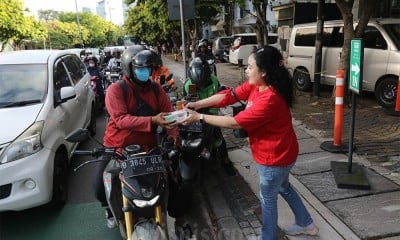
(244, 44)
(381, 56)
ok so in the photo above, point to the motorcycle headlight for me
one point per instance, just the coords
(144, 203)
(147, 192)
(26, 144)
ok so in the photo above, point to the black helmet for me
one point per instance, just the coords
(200, 73)
(127, 57)
(143, 58)
(91, 57)
(156, 59)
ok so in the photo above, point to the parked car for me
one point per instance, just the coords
(244, 44)
(381, 56)
(44, 96)
(221, 47)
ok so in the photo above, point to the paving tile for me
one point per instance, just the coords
(324, 187)
(371, 217)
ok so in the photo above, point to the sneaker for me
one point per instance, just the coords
(183, 232)
(295, 229)
(110, 219)
(229, 168)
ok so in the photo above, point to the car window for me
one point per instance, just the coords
(22, 82)
(60, 79)
(75, 67)
(272, 39)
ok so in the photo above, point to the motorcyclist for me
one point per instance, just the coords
(131, 123)
(158, 69)
(94, 70)
(203, 51)
(207, 84)
(115, 62)
(107, 56)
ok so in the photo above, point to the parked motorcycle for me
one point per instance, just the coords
(99, 98)
(136, 185)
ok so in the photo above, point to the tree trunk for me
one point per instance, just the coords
(345, 8)
(261, 22)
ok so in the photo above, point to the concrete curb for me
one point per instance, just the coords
(228, 227)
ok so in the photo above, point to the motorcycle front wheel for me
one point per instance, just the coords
(148, 229)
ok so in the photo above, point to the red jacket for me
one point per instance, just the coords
(123, 128)
(268, 122)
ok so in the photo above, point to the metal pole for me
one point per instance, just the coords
(79, 25)
(183, 38)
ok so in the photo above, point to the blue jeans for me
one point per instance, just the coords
(274, 180)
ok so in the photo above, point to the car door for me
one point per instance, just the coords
(80, 80)
(64, 112)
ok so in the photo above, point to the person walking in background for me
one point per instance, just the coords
(273, 142)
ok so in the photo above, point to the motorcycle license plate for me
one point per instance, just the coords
(141, 165)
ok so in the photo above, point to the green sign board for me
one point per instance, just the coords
(356, 65)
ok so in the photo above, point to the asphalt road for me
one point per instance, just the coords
(82, 217)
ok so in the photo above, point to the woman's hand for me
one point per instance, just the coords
(192, 105)
(192, 118)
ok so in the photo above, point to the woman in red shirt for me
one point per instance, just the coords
(268, 122)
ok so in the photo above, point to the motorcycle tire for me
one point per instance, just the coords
(148, 229)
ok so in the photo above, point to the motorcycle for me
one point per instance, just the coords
(197, 146)
(136, 186)
(99, 98)
(113, 75)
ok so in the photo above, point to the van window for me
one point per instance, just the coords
(305, 37)
(272, 39)
(331, 37)
(393, 31)
(374, 39)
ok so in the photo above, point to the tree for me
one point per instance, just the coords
(101, 32)
(345, 7)
(150, 22)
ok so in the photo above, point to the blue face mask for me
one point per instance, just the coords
(142, 74)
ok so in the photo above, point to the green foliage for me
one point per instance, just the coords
(101, 32)
(14, 25)
(150, 22)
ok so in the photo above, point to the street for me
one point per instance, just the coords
(82, 217)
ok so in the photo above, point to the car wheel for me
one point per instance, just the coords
(301, 79)
(386, 91)
(93, 124)
(60, 180)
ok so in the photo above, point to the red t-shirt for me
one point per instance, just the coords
(268, 122)
(124, 128)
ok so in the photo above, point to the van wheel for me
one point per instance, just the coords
(386, 91)
(301, 78)
(60, 180)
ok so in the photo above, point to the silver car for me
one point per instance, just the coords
(44, 95)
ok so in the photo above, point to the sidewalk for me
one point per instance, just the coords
(339, 213)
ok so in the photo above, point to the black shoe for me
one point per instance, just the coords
(229, 168)
(183, 232)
